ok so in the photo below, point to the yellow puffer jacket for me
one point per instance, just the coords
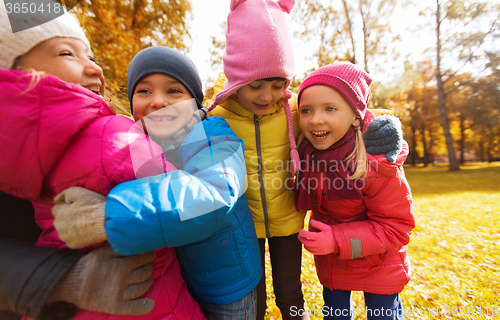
(267, 156)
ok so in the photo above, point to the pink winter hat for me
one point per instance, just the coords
(352, 82)
(258, 43)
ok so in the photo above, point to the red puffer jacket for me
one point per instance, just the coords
(60, 135)
(372, 233)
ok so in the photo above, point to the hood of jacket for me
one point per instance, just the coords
(48, 106)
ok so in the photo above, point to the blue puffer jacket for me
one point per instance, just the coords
(225, 267)
(201, 210)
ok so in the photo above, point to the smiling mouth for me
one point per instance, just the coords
(320, 134)
(95, 89)
(261, 106)
(162, 119)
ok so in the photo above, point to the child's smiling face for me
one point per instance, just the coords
(69, 59)
(325, 116)
(164, 105)
(260, 95)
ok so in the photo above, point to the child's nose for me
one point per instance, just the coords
(91, 68)
(159, 101)
(316, 118)
(266, 95)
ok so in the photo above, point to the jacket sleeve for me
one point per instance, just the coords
(390, 220)
(29, 274)
(184, 206)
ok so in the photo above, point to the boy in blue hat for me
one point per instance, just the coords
(200, 209)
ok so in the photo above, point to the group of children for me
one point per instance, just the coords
(211, 182)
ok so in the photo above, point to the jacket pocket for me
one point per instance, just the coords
(212, 263)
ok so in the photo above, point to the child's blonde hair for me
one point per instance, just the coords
(35, 75)
(358, 157)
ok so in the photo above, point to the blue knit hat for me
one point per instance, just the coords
(166, 61)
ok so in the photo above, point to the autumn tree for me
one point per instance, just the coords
(336, 23)
(413, 98)
(461, 108)
(485, 116)
(118, 30)
(423, 111)
(216, 51)
(463, 29)
(218, 48)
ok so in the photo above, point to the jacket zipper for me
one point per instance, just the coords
(261, 178)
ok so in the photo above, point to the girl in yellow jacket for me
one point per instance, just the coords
(254, 100)
(259, 67)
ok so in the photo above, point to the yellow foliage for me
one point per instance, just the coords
(117, 30)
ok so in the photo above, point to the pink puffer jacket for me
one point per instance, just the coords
(60, 135)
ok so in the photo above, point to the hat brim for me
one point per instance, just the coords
(230, 89)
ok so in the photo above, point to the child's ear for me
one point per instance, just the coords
(356, 122)
(286, 5)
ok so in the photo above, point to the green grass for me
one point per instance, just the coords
(454, 249)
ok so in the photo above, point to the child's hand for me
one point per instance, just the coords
(319, 243)
(384, 135)
(105, 281)
(79, 217)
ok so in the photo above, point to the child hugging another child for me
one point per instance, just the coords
(361, 204)
(59, 132)
(200, 208)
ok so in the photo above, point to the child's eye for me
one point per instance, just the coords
(66, 53)
(92, 59)
(255, 87)
(278, 86)
(143, 91)
(329, 109)
(304, 110)
(174, 90)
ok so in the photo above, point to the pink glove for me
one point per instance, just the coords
(319, 243)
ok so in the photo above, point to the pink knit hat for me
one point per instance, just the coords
(352, 82)
(258, 43)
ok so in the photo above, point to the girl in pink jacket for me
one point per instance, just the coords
(60, 133)
(361, 204)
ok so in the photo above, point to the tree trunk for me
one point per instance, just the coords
(488, 151)
(481, 150)
(413, 153)
(430, 147)
(351, 36)
(442, 98)
(365, 36)
(424, 144)
(462, 139)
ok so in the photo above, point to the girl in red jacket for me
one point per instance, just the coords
(361, 204)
